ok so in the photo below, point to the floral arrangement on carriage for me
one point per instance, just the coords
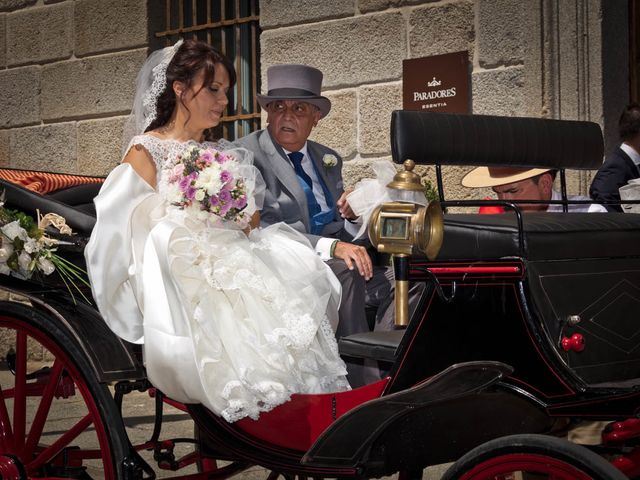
(26, 250)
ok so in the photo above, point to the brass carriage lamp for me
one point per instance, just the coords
(403, 228)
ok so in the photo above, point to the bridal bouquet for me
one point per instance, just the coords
(208, 183)
(25, 249)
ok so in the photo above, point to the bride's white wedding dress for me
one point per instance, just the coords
(233, 322)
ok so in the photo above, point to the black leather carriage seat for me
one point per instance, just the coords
(380, 346)
(79, 197)
(547, 236)
(81, 220)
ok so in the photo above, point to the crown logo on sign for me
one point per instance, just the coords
(434, 83)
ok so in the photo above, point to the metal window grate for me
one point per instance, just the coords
(231, 26)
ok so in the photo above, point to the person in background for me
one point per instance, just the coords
(525, 184)
(623, 164)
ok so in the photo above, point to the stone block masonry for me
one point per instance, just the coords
(357, 50)
(45, 147)
(108, 25)
(68, 71)
(98, 85)
(20, 98)
(40, 35)
(100, 145)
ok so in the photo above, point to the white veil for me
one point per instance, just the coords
(150, 83)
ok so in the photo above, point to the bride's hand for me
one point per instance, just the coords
(253, 223)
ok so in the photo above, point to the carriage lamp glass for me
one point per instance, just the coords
(404, 228)
(395, 228)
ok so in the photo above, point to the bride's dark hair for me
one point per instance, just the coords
(191, 57)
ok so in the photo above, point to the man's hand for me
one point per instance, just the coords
(355, 254)
(344, 208)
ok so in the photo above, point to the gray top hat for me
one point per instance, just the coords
(295, 82)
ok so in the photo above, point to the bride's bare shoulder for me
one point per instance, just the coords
(142, 162)
(157, 134)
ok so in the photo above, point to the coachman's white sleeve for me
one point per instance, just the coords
(124, 209)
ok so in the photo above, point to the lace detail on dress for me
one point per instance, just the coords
(165, 151)
(274, 394)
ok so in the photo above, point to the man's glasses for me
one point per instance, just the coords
(299, 109)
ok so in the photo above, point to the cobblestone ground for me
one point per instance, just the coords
(138, 413)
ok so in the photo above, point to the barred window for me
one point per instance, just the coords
(232, 27)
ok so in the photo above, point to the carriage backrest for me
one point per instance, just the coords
(430, 138)
(20, 198)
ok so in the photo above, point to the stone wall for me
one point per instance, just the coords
(68, 67)
(67, 77)
(541, 58)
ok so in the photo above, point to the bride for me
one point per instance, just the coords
(232, 316)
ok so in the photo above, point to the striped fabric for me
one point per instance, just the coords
(45, 182)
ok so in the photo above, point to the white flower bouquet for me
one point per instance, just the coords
(26, 250)
(208, 184)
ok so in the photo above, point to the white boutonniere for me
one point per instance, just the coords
(329, 161)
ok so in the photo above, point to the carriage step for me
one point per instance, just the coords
(381, 346)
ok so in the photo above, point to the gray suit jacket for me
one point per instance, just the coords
(285, 200)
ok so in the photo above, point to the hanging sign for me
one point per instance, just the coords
(437, 84)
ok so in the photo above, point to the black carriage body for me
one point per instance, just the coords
(509, 288)
(517, 309)
(505, 290)
(111, 358)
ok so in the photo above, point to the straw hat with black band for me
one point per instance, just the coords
(295, 82)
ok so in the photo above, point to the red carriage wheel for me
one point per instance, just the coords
(532, 457)
(39, 435)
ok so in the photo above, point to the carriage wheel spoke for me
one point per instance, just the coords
(43, 409)
(6, 433)
(57, 446)
(20, 392)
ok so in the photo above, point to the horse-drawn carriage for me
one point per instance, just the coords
(527, 326)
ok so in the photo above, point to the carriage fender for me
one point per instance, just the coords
(347, 440)
(111, 358)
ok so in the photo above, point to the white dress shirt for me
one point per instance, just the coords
(582, 207)
(323, 247)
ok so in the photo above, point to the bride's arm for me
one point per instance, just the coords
(253, 223)
(142, 163)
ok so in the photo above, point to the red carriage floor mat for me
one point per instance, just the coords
(297, 423)
(45, 182)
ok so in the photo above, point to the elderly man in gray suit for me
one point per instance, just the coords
(305, 190)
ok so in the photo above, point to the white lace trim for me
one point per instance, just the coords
(158, 85)
(165, 152)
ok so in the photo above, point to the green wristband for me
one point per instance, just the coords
(333, 248)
